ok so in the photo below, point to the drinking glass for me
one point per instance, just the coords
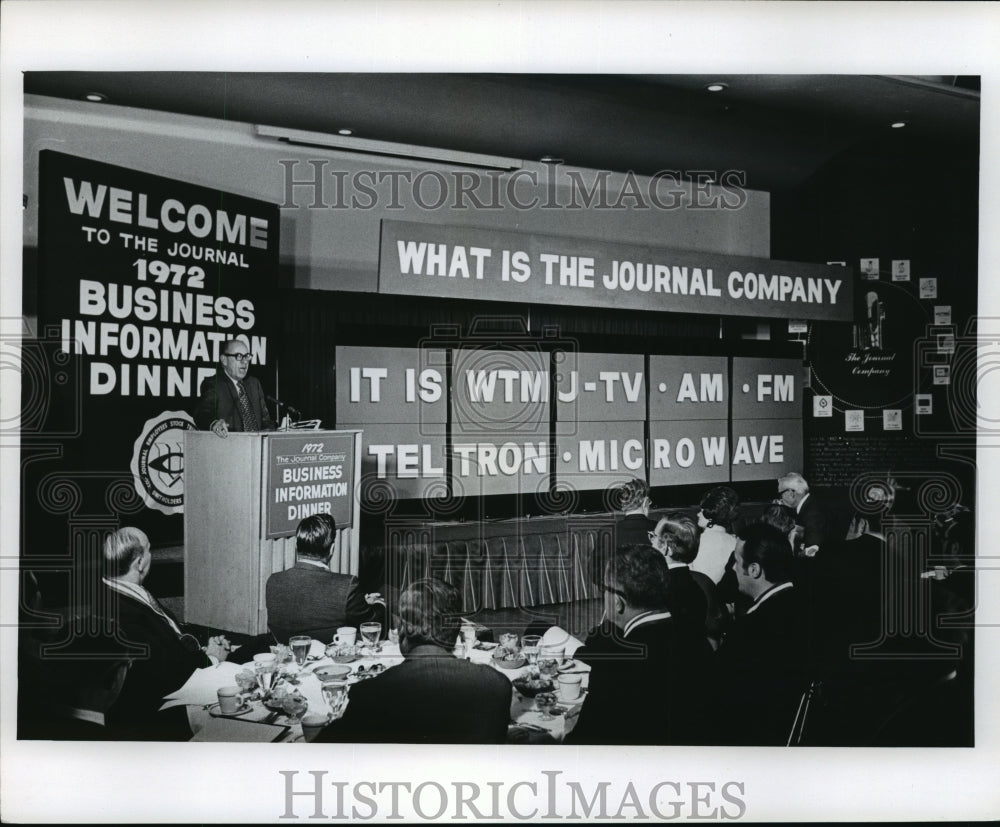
(550, 658)
(544, 703)
(529, 647)
(335, 695)
(510, 642)
(266, 675)
(370, 633)
(300, 645)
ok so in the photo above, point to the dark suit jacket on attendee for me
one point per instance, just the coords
(646, 688)
(813, 518)
(687, 601)
(633, 529)
(218, 399)
(165, 667)
(432, 697)
(763, 669)
(311, 600)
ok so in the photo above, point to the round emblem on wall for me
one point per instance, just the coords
(158, 461)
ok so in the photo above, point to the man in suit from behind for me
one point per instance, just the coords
(646, 681)
(163, 655)
(763, 665)
(432, 697)
(635, 524)
(793, 491)
(231, 400)
(309, 599)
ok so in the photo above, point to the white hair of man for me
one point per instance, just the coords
(794, 481)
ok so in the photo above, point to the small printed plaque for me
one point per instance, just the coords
(900, 269)
(854, 420)
(798, 326)
(942, 314)
(928, 288)
(924, 404)
(892, 419)
(942, 374)
(869, 268)
(946, 343)
(822, 406)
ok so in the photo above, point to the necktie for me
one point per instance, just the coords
(249, 420)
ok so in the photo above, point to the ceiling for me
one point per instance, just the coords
(780, 129)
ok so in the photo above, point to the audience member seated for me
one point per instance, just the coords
(309, 599)
(646, 687)
(718, 514)
(763, 661)
(164, 654)
(793, 491)
(634, 525)
(432, 696)
(690, 594)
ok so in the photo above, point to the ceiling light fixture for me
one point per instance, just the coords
(345, 131)
(717, 87)
(898, 124)
(95, 97)
(551, 159)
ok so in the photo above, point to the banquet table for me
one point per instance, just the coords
(260, 723)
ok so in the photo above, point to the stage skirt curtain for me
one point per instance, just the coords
(507, 571)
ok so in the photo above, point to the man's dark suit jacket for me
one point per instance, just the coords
(644, 689)
(431, 698)
(167, 664)
(763, 669)
(218, 399)
(633, 529)
(813, 519)
(309, 600)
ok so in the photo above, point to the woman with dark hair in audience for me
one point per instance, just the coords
(719, 511)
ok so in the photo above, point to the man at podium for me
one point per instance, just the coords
(231, 400)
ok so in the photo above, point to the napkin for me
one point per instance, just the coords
(317, 649)
(202, 687)
(231, 730)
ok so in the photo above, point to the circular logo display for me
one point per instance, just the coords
(158, 461)
(869, 364)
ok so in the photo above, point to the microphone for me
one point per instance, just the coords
(290, 408)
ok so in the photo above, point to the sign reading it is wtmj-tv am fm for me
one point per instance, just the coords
(142, 278)
(470, 263)
(674, 420)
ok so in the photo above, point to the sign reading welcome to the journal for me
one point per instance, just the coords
(494, 265)
(142, 279)
(309, 473)
(481, 418)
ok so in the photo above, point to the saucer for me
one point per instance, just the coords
(215, 712)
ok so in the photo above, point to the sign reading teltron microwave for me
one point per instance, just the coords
(493, 265)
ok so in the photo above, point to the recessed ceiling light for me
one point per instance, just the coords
(96, 97)
(345, 131)
(717, 87)
(550, 159)
(898, 124)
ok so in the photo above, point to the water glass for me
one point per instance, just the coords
(267, 673)
(529, 647)
(335, 695)
(370, 634)
(550, 658)
(295, 707)
(300, 645)
(544, 703)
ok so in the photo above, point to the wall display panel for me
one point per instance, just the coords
(500, 392)
(404, 385)
(500, 463)
(765, 448)
(688, 387)
(599, 387)
(401, 460)
(767, 388)
(687, 452)
(599, 455)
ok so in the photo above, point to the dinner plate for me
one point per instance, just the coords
(215, 712)
(568, 664)
(504, 663)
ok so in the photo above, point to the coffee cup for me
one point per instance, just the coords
(312, 724)
(346, 636)
(229, 700)
(569, 687)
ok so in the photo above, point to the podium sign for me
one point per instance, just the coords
(308, 473)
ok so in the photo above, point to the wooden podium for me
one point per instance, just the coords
(239, 527)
